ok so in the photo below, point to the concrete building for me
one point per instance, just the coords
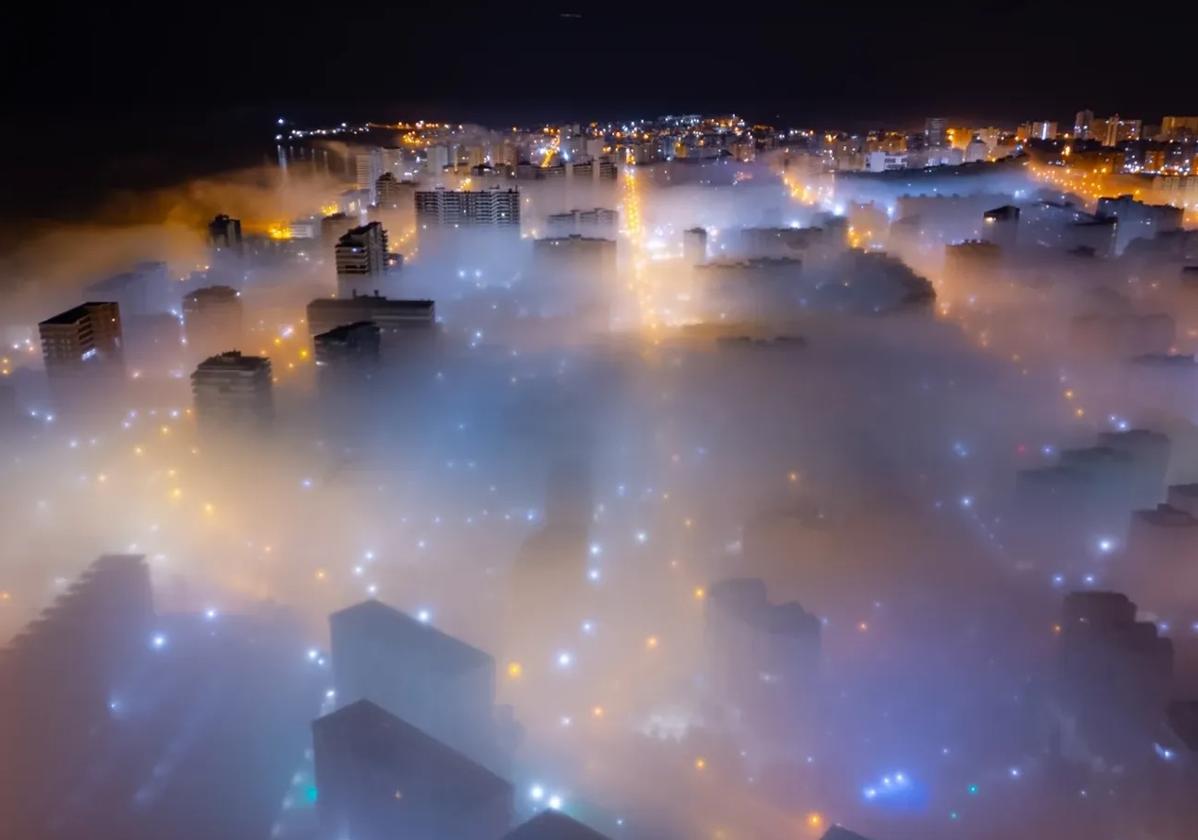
(553, 825)
(936, 131)
(368, 166)
(1174, 127)
(591, 255)
(1112, 131)
(392, 193)
(1113, 680)
(380, 778)
(436, 159)
(1083, 125)
(763, 656)
(1137, 220)
(1000, 226)
(131, 723)
(1044, 130)
(433, 681)
(361, 258)
(882, 161)
(1159, 565)
(694, 246)
(391, 316)
(976, 150)
(349, 344)
(212, 316)
(462, 208)
(224, 233)
(87, 337)
(596, 222)
(144, 290)
(231, 389)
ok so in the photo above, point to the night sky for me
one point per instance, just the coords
(143, 89)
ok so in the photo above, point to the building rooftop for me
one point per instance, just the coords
(362, 724)
(1166, 516)
(375, 299)
(553, 825)
(381, 621)
(76, 313)
(234, 360)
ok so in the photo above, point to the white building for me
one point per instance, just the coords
(361, 256)
(369, 168)
(885, 161)
(454, 208)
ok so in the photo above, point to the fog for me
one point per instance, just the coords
(572, 469)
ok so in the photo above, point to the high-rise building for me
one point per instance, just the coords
(361, 257)
(1083, 125)
(224, 233)
(1177, 127)
(1111, 131)
(936, 131)
(368, 167)
(1000, 226)
(694, 246)
(596, 222)
(391, 316)
(391, 192)
(212, 316)
(763, 656)
(1044, 130)
(1139, 220)
(379, 777)
(1113, 682)
(350, 344)
(436, 159)
(976, 150)
(143, 290)
(83, 338)
(129, 723)
(233, 389)
(440, 685)
(591, 255)
(454, 208)
(393, 160)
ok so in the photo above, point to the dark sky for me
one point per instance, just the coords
(814, 63)
(148, 89)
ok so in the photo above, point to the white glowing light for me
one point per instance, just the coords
(565, 659)
(424, 616)
(158, 641)
(536, 793)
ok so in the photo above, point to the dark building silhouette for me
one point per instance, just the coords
(553, 825)
(380, 778)
(837, 832)
(231, 389)
(1114, 677)
(392, 316)
(212, 317)
(146, 289)
(431, 680)
(763, 657)
(355, 344)
(224, 233)
(133, 725)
